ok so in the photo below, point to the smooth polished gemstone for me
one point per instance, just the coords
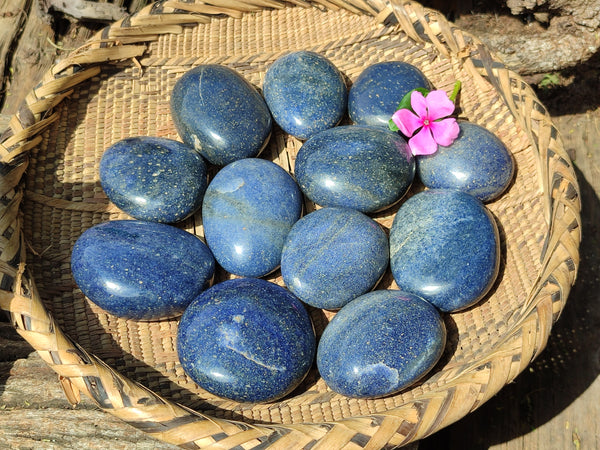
(246, 339)
(362, 168)
(380, 343)
(220, 114)
(152, 178)
(374, 96)
(444, 247)
(249, 208)
(477, 162)
(305, 92)
(141, 270)
(332, 256)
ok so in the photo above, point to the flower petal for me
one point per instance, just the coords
(406, 121)
(445, 131)
(418, 104)
(422, 143)
(439, 105)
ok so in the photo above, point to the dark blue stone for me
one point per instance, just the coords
(332, 256)
(375, 94)
(444, 247)
(220, 114)
(155, 179)
(477, 162)
(247, 340)
(305, 92)
(362, 168)
(141, 270)
(380, 343)
(248, 210)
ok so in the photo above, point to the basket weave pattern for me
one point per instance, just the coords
(118, 85)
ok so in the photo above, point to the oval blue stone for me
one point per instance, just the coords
(247, 340)
(444, 247)
(374, 96)
(220, 114)
(332, 256)
(152, 178)
(305, 92)
(477, 162)
(362, 168)
(141, 270)
(380, 343)
(248, 210)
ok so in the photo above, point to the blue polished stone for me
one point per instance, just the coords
(220, 114)
(141, 270)
(380, 343)
(477, 162)
(332, 256)
(246, 339)
(444, 246)
(305, 92)
(152, 178)
(375, 94)
(248, 210)
(362, 168)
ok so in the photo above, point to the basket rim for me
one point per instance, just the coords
(128, 39)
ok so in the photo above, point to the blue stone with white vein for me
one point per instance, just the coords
(444, 247)
(380, 343)
(141, 270)
(220, 114)
(249, 208)
(153, 178)
(247, 340)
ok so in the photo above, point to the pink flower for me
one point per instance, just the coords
(426, 117)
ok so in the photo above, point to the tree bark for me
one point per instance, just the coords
(583, 12)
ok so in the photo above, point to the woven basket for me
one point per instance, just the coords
(118, 85)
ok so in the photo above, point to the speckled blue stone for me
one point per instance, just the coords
(362, 168)
(305, 92)
(247, 340)
(141, 270)
(152, 178)
(375, 94)
(332, 256)
(248, 210)
(380, 343)
(444, 247)
(220, 114)
(477, 162)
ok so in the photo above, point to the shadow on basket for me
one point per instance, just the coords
(565, 370)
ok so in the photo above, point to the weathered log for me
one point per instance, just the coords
(583, 12)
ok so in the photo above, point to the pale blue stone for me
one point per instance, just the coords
(249, 208)
(444, 247)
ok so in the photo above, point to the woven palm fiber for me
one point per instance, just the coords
(118, 85)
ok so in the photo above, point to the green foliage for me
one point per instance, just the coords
(550, 80)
